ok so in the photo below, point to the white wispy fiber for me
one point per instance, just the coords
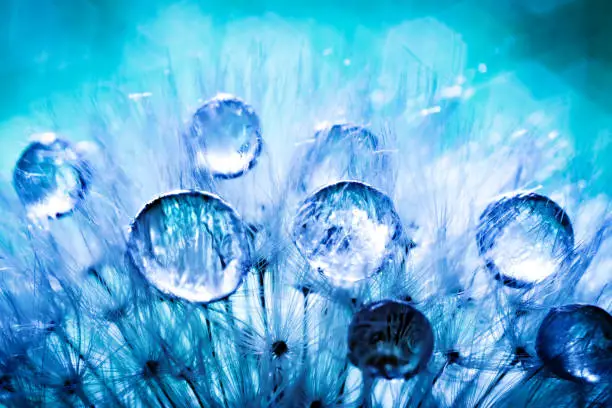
(81, 328)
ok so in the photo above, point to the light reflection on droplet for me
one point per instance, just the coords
(575, 343)
(524, 239)
(347, 231)
(390, 339)
(191, 245)
(225, 137)
(49, 177)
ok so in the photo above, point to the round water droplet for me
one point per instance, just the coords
(524, 239)
(390, 339)
(49, 177)
(575, 343)
(191, 245)
(347, 231)
(225, 137)
(342, 152)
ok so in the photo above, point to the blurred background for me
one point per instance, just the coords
(557, 52)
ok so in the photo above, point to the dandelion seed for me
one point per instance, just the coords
(107, 288)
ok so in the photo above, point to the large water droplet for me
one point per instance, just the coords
(575, 343)
(390, 339)
(191, 245)
(49, 177)
(347, 231)
(524, 239)
(225, 137)
(342, 152)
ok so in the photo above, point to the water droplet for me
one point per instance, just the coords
(575, 343)
(225, 137)
(524, 239)
(342, 152)
(390, 339)
(347, 231)
(191, 245)
(49, 178)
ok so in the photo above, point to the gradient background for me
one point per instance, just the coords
(558, 52)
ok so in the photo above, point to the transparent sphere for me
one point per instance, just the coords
(524, 239)
(191, 245)
(341, 152)
(49, 177)
(575, 343)
(225, 137)
(347, 231)
(390, 339)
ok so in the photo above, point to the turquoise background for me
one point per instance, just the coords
(559, 49)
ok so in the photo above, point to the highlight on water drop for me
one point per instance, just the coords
(224, 137)
(191, 245)
(575, 343)
(49, 177)
(525, 239)
(347, 231)
(390, 339)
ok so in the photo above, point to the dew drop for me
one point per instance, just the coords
(524, 239)
(575, 343)
(390, 339)
(191, 245)
(347, 231)
(49, 178)
(225, 137)
(342, 152)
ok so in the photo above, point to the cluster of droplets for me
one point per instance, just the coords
(191, 314)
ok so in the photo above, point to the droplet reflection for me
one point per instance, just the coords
(390, 339)
(347, 231)
(49, 177)
(191, 245)
(524, 239)
(575, 343)
(225, 137)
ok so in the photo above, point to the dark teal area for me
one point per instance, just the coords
(54, 46)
